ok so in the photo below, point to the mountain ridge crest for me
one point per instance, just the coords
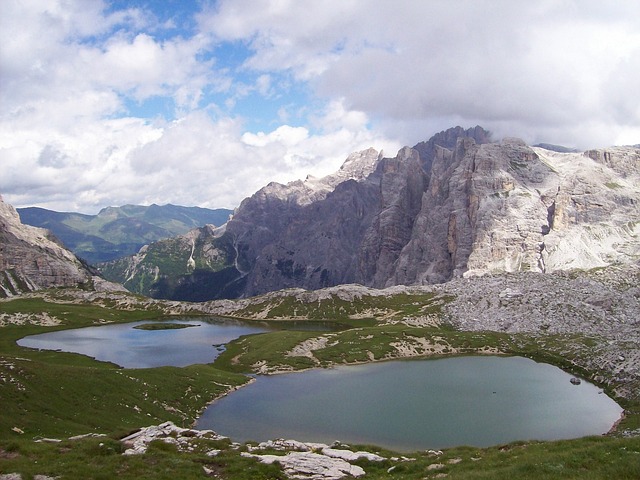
(457, 205)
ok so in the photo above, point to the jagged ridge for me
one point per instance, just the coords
(454, 206)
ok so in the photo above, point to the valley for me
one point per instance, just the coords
(459, 246)
(119, 231)
(400, 322)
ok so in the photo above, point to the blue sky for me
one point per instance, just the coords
(204, 102)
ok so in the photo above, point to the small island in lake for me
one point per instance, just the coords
(164, 326)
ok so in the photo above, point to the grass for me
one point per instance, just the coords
(354, 345)
(56, 394)
(587, 458)
(48, 393)
(102, 458)
(240, 355)
(366, 307)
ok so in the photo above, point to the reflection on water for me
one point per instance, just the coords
(131, 347)
(136, 348)
(412, 405)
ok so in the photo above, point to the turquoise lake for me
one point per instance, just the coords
(419, 404)
(401, 405)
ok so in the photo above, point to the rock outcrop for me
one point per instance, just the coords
(184, 438)
(312, 461)
(454, 206)
(507, 207)
(32, 259)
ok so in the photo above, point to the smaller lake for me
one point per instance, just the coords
(414, 405)
(130, 347)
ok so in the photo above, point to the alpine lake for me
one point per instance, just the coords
(402, 405)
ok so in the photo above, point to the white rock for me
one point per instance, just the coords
(167, 432)
(309, 465)
(350, 456)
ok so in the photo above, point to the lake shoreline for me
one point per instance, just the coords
(540, 422)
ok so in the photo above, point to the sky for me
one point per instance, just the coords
(201, 103)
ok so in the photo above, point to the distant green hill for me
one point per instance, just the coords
(119, 231)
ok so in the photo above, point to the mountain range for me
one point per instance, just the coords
(120, 231)
(536, 250)
(457, 205)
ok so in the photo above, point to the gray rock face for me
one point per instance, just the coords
(32, 259)
(401, 186)
(454, 206)
(448, 139)
(308, 233)
(507, 207)
(478, 208)
(593, 209)
(297, 235)
(474, 215)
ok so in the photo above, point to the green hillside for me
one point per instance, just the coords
(49, 397)
(119, 231)
(194, 267)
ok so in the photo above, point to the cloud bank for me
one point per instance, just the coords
(104, 104)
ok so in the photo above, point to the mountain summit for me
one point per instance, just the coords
(456, 205)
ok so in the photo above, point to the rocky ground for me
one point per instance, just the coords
(311, 461)
(602, 305)
(599, 308)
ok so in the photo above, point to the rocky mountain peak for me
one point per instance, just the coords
(457, 205)
(448, 139)
(358, 165)
(507, 207)
(31, 258)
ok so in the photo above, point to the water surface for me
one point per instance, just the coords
(130, 347)
(412, 405)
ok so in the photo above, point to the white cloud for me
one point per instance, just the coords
(219, 164)
(285, 135)
(194, 160)
(520, 68)
(563, 72)
(263, 85)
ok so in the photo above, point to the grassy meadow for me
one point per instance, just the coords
(55, 395)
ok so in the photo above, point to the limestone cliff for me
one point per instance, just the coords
(450, 207)
(506, 207)
(32, 259)
(594, 211)
(308, 233)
